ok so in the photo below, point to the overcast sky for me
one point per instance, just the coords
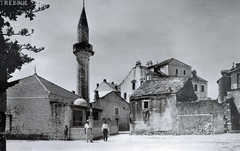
(204, 34)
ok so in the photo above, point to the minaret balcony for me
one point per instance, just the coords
(83, 47)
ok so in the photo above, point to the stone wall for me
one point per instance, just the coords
(60, 116)
(30, 116)
(160, 116)
(36, 118)
(202, 117)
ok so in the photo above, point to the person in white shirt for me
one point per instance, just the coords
(88, 131)
(105, 130)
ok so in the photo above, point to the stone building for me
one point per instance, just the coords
(113, 106)
(229, 91)
(169, 106)
(38, 109)
(167, 68)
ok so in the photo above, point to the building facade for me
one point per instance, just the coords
(114, 107)
(229, 91)
(170, 106)
(168, 68)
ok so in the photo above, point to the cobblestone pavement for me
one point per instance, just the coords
(126, 142)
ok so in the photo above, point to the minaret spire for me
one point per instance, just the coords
(83, 31)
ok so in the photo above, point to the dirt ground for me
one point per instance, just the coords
(126, 142)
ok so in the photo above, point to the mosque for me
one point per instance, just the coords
(40, 109)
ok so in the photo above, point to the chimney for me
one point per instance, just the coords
(149, 63)
(73, 92)
(237, 65)
(97, 85)
(104, 80)
(96, 96)
(138, 63)
(194, 73)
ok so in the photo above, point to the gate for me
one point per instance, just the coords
(235, 116)
(235, 122)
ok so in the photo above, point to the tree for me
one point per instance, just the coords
(11, 55)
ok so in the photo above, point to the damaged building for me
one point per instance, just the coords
(169, 106)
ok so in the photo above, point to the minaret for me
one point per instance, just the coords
(83, 51)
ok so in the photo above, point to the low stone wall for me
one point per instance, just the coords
(195, 124)
(202, 117)
(79, 134)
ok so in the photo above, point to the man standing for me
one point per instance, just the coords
(88, 131)
(105, 130)
(66, 133)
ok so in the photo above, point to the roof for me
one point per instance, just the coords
(233, 70)
(81, 102)
(36, 86)
(166, 62)
(148, 71)
(57, 90)
(196, 77)
(161, 86)
(105, 87)
(83, 19)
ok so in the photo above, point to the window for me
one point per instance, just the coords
(238, 80)
(195, 87)
(145, 104)
(148, 77)
(176, 71)
(202, 88)
(133, 84)
(95, 115)
(184, 72)
(116, 111)
(125, 96)
(78, 117)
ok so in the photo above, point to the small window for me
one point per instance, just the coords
(202, 88)
(95, 115)
(145, 105)
(116, 110)
(195, 87)
(184, 72)
(125, 96)
(148, 77)
(176, 71)
(133, 85)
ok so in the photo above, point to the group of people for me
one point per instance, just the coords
(89, 132)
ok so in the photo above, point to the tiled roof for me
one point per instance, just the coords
(160, 86)
(57, 90)
(36, 86)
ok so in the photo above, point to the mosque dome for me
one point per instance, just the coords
(80, 102)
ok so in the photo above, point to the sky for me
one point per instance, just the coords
(204, 34)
